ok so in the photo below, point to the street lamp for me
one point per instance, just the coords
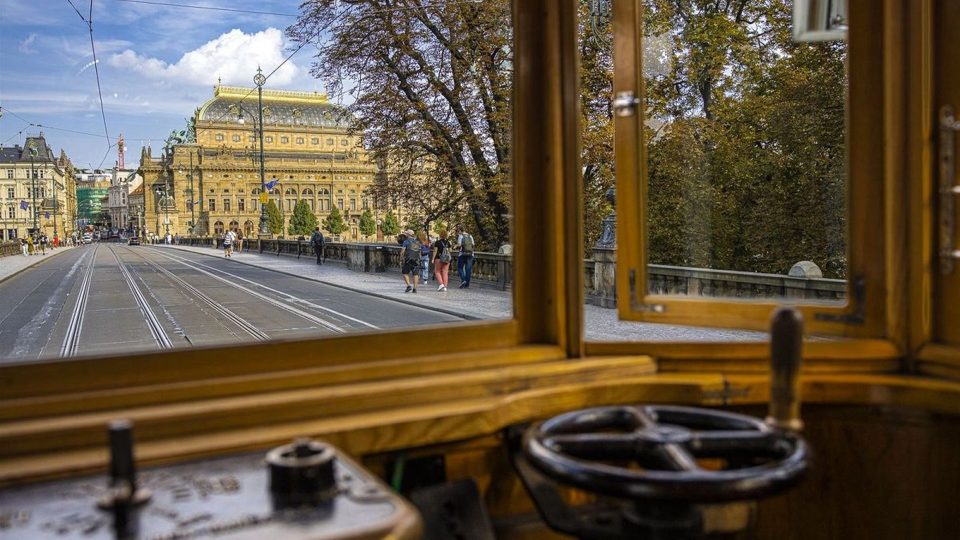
(193, 202)
(259, 79)
(33, 187)
(166, 207)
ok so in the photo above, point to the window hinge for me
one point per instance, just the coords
(635, 303)
(858, 304)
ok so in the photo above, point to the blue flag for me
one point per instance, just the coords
(270, 185)
(24, 205)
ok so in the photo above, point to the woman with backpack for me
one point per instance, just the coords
(440, 254)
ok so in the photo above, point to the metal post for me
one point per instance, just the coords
(33, 189)
(193, 214)
(259, 79)
(166, 207)
(56, 206)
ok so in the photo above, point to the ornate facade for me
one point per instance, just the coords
(36, 189)
(214, 184)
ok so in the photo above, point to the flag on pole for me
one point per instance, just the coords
(271, 184)
(24, 205)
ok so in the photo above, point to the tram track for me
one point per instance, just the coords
(241, 323)
(153, 323)
(72, 338)
(286, 296)
(210, 272)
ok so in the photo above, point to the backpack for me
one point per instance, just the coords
(412, 251)
(467, 245)
(444, 255)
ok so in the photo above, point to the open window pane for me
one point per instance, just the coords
(746, 154)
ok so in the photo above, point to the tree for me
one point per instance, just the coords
(302, 222)
(390, 225)
(428, 80)
(368, 227)
(334, 223)
(274, 218)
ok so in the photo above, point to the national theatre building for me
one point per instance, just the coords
(213, 184)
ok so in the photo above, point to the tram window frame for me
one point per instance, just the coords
(865, 199)
(133, 374)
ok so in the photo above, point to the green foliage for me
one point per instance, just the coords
(302, 222)
(390, 225)
(274, 218)
(367, 226)
(334, 223)
(745, 138)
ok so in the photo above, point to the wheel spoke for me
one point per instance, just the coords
(644, 417)
(707, 443)
(672, 457)
(602, 446)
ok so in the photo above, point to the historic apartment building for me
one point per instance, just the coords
(36, 191)
(213, 184)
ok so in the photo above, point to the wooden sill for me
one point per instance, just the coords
(425, 411)
(829, 356)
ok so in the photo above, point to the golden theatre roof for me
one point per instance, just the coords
(280, 108)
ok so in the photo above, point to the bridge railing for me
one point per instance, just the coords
(496, 270)
(10, 248)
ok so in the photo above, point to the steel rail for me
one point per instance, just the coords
(72, 338)
(153, 323)
(239, 321)
(272, 301)
(288, 296)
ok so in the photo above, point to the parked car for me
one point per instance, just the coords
(87, 238)
(133, 241)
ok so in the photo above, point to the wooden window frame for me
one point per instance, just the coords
(52, 412)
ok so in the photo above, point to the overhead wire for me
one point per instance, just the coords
(96, 70)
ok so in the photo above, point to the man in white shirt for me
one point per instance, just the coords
(228, 240)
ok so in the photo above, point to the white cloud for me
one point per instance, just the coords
(234, 57)
(26, 45)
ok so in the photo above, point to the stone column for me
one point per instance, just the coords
(605, 259)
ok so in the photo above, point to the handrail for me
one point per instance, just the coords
(497, 270)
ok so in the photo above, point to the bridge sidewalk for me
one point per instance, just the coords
(12, 265)
(477, 302)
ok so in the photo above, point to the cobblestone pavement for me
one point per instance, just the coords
(477, 302)
(13, 264)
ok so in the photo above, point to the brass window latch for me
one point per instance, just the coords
(949, 252)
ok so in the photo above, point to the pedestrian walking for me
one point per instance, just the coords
(318, 243)
(424, 256)
(410, 257)
(440, 254)
(465, 260)
(23, 247)
(43, 244)
(228, 240)
(239, 240)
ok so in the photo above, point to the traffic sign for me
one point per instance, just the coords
(263, 198)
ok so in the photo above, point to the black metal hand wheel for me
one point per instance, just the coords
(666, 453)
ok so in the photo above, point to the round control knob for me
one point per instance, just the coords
(302, 473)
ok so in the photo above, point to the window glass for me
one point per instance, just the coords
(190, 291)
(745, 163)
(746, 154)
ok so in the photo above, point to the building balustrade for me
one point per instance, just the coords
(496, 270)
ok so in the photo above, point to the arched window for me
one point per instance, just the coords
(234, 225)
(218, 228)
(247, 228)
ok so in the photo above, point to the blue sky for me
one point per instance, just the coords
(157, 64)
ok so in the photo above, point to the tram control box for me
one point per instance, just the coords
(304, 490)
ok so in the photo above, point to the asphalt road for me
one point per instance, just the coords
(111, 299)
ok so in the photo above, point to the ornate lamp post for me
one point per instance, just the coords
(259, 79)
(166, 207)
(33, 188)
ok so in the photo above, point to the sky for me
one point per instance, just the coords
(157, 64)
